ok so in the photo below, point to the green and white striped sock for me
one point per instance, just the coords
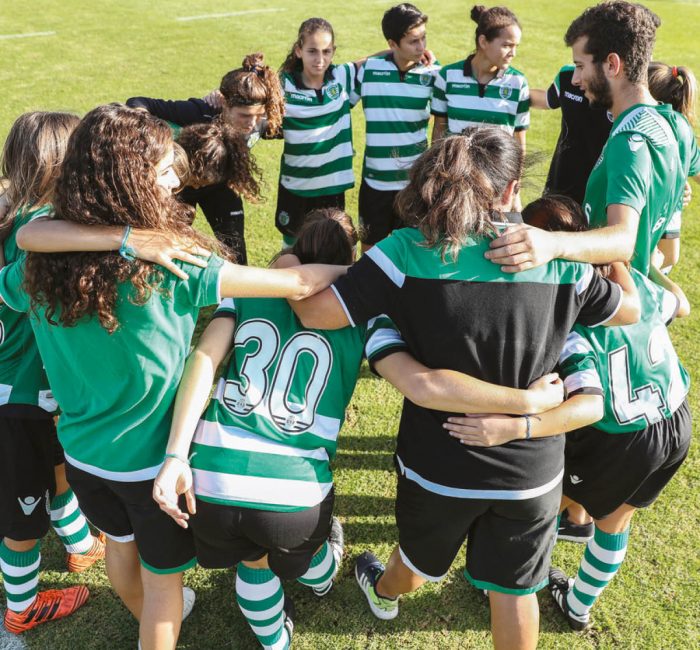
(321, 570)
(261, 599)
(20, 574)
(601, 561)
(70, 523)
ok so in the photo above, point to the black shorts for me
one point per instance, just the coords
(29, 452)
(604, 471)
(377, 215)
(126, 512)
(509, 543)
(292, 208)
(226, 535)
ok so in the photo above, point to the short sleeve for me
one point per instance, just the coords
(673, 228)
(579, 367)
(203, 288)
(438, 104)
(522, 118)
(227, 309)
(599, 298)
(554, 92)
(11, 292)
(628, 168)
(346, 77)
(694, 169)
(356, 94)
(382, 339)
(666, 302)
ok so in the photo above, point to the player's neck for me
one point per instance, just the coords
(482, 69)
(628, 95)
(403, 64)
(313, 81)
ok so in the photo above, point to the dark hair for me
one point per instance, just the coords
(490, 22)
(559, 213)
(108, 178)
(623, 28)
(400, 19)
(327, 237)
(32, 157)
(217, 153)
(310, 26)
(253, 84)
(674, 85)
(455, 186)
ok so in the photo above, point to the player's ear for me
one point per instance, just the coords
(393, 45)
(509, 193)
(613, 65)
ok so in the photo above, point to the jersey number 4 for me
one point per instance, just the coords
(259, 343)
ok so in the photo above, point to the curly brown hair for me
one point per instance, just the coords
(109, 177)
(623, 28)
(252, 84)
(217, 153)
(456, 186)
(31, 159)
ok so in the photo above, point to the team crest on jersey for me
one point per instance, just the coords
(333, 91)
(505, 92)
(283, 218)
(425, 78)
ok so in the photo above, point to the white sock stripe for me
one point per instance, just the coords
(21, 588)
(282, 644)
(83, 546)
(586, 588)
(318, 571)
(586, 567)
(68, 509)
(19, 571)
(72, 528)
(264, 614)
(609, 557)
(252, 591)
(21, 606)
(267, 630)
(576, 606)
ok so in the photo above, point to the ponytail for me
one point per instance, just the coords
(674, 85)
(490, 22)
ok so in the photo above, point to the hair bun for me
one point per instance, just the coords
(253, 62)
(477, 12)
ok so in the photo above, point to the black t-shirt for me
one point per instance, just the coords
(584, 132)
(469, 316)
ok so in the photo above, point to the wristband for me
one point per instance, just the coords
(126, 251)
(528, 427)
(182, 459)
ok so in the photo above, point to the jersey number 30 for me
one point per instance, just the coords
(253, 389)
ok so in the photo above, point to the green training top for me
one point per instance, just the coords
(271, 429)
(640, 166)
(22, 376)
(116, 391)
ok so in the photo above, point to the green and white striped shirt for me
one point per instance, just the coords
(397, 111)
(317, 157)
(504, 101)
(270, 431)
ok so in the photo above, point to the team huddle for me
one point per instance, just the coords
(545, 319)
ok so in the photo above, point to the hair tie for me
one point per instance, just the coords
(674, 71)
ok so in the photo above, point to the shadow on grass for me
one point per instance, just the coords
(352, 460)
(350, 443)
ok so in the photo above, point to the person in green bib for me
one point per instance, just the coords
(638, 180)
(113, 332)
(260, 489)
(635, 389)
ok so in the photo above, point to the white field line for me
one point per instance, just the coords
(26, 35)
(230, 13)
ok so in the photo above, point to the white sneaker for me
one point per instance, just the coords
(188, 598)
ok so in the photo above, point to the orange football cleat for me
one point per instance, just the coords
(48, 606)
(79, 562)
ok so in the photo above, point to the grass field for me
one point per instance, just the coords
(107, 51)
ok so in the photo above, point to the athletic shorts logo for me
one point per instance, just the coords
(28, 504)
(575, 479)
(333, 91)
(283, 218)
(505, 92)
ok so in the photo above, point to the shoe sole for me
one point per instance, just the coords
(574, 538)
(379, 613)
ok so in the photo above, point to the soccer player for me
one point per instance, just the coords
(584, 132)
(395, 89)
(33, 490)
(638, 180)
(499, 327)
(676, 85)
(250, 100)
(132, 323)
(261, 452)
(623, 461)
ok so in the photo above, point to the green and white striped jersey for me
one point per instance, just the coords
(270, 431)
(504, 101)
(22, 376)
(634, 367)
(397, 112)
(317, 157)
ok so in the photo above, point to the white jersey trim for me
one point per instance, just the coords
(122, 477)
